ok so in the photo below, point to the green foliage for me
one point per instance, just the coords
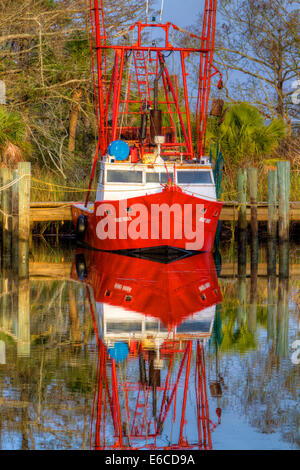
(244, 135)
(6, 338)
(12, 128)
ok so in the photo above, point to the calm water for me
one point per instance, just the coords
(103, 350)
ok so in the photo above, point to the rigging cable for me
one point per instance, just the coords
(161, 10)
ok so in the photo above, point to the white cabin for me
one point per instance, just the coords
(117, 324)
(123, 180)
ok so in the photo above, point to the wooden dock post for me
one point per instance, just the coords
(271, 256)
(242, 221)
(284, 259)
(283, 174)
(23, 345)
(252, 316)
(272, 204)
(272, 221)
(242, 301)
(6, 207)
(15, 224)
(272, 308)
(252, 174)
(282, 339)
(24, 172)
(242, 198)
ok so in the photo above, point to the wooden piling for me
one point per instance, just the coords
(242, 198)
(6, 208)
(242, 301)
(282, 339)
(284, 259)
(272, 204)
(15, 224)
(272, 308)
(24, 172)
(242, 221)
(271, 256)
(283, 175)
(253, 304)
(252, 174)
(23, 344)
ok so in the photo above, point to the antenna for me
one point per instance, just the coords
(161, 10)
(147, 10)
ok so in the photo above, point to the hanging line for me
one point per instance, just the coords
(161, 10)
(8, 185)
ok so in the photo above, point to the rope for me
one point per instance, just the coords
(161, 10)
(8, 185)
(5, 214)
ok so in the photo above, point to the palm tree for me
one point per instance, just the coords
(244, 135)
(12, 136)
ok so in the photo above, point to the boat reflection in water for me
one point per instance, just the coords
(151, 321)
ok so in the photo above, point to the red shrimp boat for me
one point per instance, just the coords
(130, 288)
(156, 186)
(151, 322)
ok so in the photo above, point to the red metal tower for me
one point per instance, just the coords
(136, 65)
(153, 413)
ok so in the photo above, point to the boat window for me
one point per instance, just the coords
(152, 177)
(164, 178)
(194, 177)
(202, 326)
(151, 326)
(122, 327)
(120, 176)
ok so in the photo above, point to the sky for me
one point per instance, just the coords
(180, 12)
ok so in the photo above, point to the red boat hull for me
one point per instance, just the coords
(171, 292)
(170, 218)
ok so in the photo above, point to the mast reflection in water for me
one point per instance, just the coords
(151, 320)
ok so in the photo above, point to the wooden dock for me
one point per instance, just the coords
(61, 211)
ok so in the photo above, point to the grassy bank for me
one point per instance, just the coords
(229, 184)
(47, 186)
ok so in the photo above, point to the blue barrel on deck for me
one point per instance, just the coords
(118, 149)
(119, 351)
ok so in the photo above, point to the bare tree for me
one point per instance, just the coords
(259, 42)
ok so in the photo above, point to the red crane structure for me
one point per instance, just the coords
(154, 413)
(164, 407)
(130, 66)
(151, 393)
